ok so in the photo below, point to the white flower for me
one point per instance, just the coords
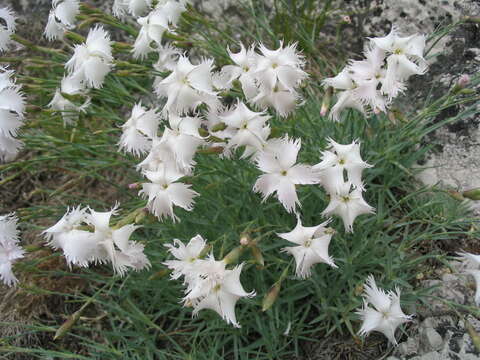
(385, 315)
(282, 174)
(248, 129)
(312, 247)
(279, 97)
(163, 18)
(7, 27)
(346, 98)
(71, 220)
(367, 76)
(61, 18)
(187, 86)
(186, 255)
(282, 66)
(69, 110)
(167, 58)
(134, 7)
(210, 285)
(139, 131)
(348, 203)
(405, 58)
(12, 108)
(164, 192)
(92, 61)
(339, 159)
(224, 295)
(10, 251)
(129, 254)
(78, 246)
(181, 140)
(244, 70)
(105, 244)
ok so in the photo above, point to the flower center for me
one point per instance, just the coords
(165, 186)
(341, 161)
(284, 173)
(217, 288)
(398, 52)
(345, 199)
(274, 65)
(308, 242)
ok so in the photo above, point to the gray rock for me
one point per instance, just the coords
(430, 339)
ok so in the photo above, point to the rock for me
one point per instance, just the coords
(430, 339)
(409, 347)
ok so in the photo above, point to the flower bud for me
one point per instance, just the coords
(272, 296)
(133, 186)
(67, 325)
(245, 239)
(463, 81)
(219, 127)
(159, 274)
(326, 101)
(473, 194)
(257, 255)
(233, 256)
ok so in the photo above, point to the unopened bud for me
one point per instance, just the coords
(272, 296)
(141, 216)
(133, 186)
(456, 195)
(244, 239)
(473, 194)
(463, 81)
(219, 127)
(233, 256)
(326, 101)
(211, 150)
(257, 255)
(159, 274)
(206, 249)
(203, 132)
(67, 325)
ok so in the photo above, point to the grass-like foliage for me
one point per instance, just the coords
(139, 316)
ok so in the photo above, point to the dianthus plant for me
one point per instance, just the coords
(196, 108)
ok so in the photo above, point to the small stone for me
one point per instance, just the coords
(409, 347)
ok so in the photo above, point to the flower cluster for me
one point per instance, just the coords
(338, 163)
(385, 314)
(87, 68)
(7, 27)
(371, 84)
(269, 78)
(10, 251)
(187, 87)
(61, 18)
(85, 236)
(209, 284)
(12, 108)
